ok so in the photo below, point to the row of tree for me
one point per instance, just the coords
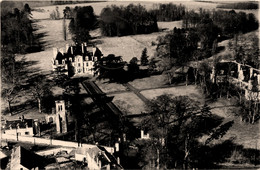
(168, 12)
(239, 5)
(132, 19)
(17, 30)
(228, 23)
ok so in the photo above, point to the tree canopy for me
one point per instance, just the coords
(175, 126)
(16, 30)
(82, 22)
(132, 19)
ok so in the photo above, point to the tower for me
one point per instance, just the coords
(61, 117)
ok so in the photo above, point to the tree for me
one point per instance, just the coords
(132, 19)
(175, 124)
(144, 57)
(204, 72)
(82, 22)
(16, 31)
(111, 67)
(39, 88)
(133, 67)
(13, 73)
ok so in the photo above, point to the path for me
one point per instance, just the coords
(137, 92)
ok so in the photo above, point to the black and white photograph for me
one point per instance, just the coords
(121, 84)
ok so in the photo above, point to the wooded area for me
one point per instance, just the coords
(132, 19)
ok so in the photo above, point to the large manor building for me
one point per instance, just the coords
(77, 59)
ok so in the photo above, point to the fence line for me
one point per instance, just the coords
(54, 142)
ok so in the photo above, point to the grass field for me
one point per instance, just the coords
(129, 103)
(191, 91)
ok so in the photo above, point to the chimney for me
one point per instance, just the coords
(94, 50)
(61, 51)
(100, 49)
(67, 48)
(82, 48)
(55, 52)
(118, 160)
(71, 48)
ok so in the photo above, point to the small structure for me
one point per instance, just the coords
(77, 59)
(61, 117)
(21, 127)
(96, 158)
(24, 159)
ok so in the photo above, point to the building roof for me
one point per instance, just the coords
(77, 50)
(2, 155)
(26, 158)
(104, 156)
(15, 123)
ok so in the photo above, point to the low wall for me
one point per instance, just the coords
(37, 140)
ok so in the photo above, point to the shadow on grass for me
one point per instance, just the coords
(226, 152)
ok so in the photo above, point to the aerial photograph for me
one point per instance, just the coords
(121, 84)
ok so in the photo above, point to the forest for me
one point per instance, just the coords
(129, 20)
(169, 12)
(229, 23)
(239, 5)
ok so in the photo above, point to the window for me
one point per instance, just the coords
(60, 108)
(79, 64)
(87, 64)
(26, 133)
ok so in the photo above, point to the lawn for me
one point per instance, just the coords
(129, 103)
(191, 91)
(108, 87)
(149, 82)
(243, 133)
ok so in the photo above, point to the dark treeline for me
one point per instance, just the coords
(132, 19)
(239, 5)
(71, 2)
(83, 20)
(228, 22)
(16, 29)
(169, 12)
